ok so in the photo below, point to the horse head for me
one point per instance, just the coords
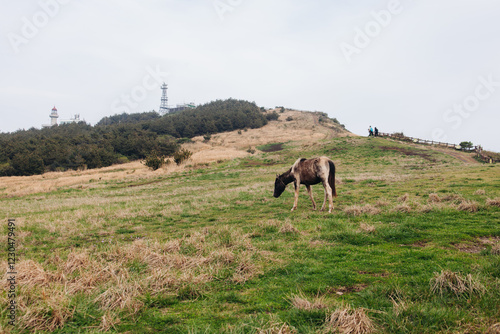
(279, 186)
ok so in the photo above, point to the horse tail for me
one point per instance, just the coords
(331, 178)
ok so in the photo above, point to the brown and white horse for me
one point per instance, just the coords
(309, 172)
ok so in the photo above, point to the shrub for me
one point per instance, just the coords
(207, 137)
(182, 155)
(27, 164)
(272, 116)
(184, 140)
(466, 145)
(154, 161)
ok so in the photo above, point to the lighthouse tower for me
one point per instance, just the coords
(53, 116)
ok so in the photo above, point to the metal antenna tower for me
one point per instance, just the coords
(164, 100)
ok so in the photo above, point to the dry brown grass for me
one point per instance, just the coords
(224, 256)
(287, 227)
(468, 206)
(275, 326)
(367, 228)
(434, 206)
(493, 202)
(449, 281)
(357, 210)
(403, 207)
(301, 302)
(43, 309)
(245, 270)
(382, 203)
(495, 249)
(426, 208)
(161, 280)
(123, 295)
(494, 329)
(399, 303)
(269, 223)
(32, 274)
(404, 198)
(349, 321)
(109, 320)
(434, 198)
(77, 262)
(480, 192)
(454, 198)
(304, 126)
(49, 287)
(278, 328)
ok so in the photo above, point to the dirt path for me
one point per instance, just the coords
(467, 158)
(462, 156)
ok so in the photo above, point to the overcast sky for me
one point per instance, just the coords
(428, 68)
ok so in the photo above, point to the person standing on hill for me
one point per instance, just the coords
(370, 131)
(376, 132)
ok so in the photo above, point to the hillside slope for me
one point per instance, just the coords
(411, 246)
(304, 128)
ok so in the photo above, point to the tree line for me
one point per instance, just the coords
(119, 138)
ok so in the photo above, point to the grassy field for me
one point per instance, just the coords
(412, 246)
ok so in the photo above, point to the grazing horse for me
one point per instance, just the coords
(309, 172)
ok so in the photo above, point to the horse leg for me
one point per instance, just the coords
(309, 191)
(324, 203)
(329, 196)
(296, 199)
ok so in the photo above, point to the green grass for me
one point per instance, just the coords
(229, 266)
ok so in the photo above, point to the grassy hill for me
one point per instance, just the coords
(412, 246)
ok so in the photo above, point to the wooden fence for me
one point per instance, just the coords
(477, 149)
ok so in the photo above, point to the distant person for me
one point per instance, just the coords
(370, 131)
(376, 132)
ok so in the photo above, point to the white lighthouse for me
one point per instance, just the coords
(53, 116)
